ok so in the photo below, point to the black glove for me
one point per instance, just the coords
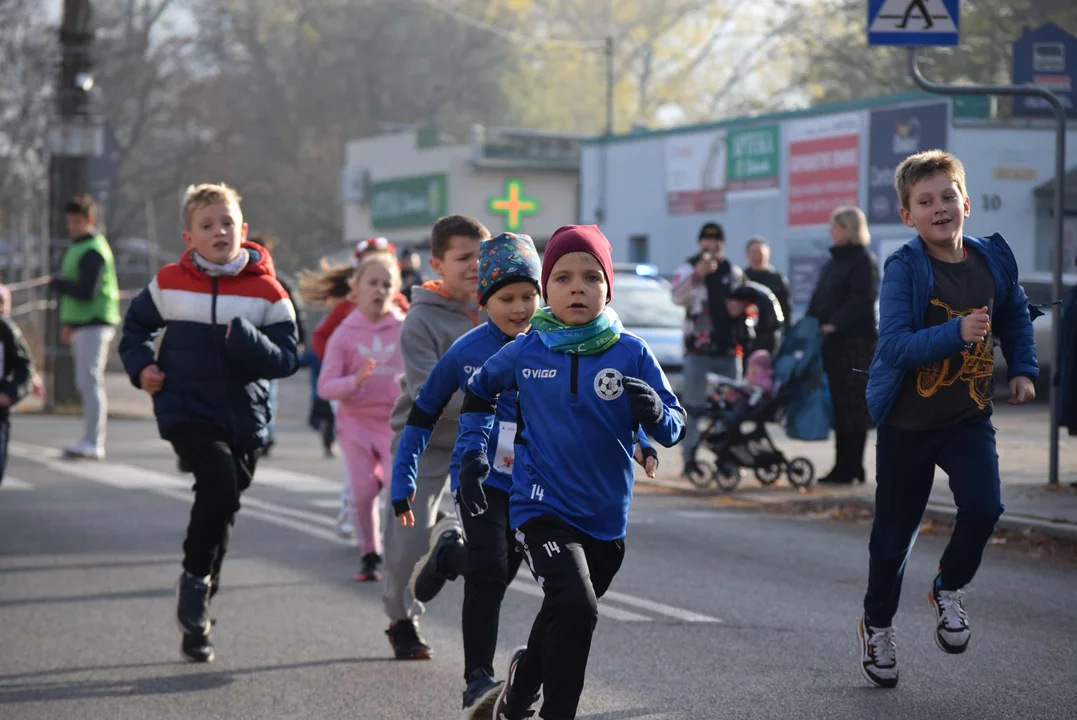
(647, 407)
(401, 506)
(474, 467)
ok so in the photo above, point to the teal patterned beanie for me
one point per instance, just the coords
(506, 259)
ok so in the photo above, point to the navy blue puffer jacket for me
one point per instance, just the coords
(210, 379)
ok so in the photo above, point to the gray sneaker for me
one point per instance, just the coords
(952, 631)
(878, 654)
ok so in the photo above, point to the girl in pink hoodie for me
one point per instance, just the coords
(362, 370)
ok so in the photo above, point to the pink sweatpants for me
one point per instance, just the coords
(370, 464)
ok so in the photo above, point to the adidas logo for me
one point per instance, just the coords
(380, 352)
(539, 374)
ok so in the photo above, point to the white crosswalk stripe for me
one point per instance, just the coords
(317, 525)
(13, 483)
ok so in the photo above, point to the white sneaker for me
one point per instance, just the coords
(85, 451)
(952, 632)
(878, 654)
(345, 528)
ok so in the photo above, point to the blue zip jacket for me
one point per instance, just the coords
(904, 342)
(576, 433)
(451, 373)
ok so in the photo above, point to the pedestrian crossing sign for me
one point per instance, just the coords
(913, 23)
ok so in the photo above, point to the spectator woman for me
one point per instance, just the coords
(844, 304)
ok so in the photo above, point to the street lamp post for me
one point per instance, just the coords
(73, 137)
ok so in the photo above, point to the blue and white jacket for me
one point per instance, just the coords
(904, 342)
(451, 373)
(575, 429)
(212, 380)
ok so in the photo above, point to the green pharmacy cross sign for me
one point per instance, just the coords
(513, 205)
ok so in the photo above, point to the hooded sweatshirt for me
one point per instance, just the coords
(433, 323)
(355, 341)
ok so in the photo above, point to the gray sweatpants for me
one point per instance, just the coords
(90, 345)
(694, 395)
(404, 546)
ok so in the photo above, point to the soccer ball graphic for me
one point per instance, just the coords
(608, 384)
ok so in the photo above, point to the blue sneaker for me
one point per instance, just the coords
(511, 705)
(480, 695)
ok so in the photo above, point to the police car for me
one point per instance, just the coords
(644, 302)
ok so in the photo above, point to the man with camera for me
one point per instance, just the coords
(714, 325)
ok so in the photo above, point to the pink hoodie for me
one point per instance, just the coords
(356, 340)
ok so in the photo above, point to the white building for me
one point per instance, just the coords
(398, 184)
(779, 176)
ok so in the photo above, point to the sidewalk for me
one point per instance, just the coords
(1023, 459)
(1022, 448)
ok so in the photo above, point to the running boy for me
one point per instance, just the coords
(16, 372)
(945, 299)
(581, 381)
(230, 329)
(441, 311)
(509, 272)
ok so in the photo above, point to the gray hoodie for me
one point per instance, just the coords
(432, 325)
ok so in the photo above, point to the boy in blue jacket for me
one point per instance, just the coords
(230, 329)
(581, 382)
(945, 299)
(509, 274)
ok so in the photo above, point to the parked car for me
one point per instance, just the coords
(643, 301)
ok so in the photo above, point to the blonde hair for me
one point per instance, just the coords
(334, 282)
(923, 165)
(204, 195)
(377, 257)
(852, 219)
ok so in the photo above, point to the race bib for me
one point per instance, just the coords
(506, 448)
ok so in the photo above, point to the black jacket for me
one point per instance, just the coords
(771, 278)
(846, 292)
(16, 367)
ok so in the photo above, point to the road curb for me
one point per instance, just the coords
(935, 511)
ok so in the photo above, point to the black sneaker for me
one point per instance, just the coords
(511, 705)
(368, 568)
(406, 642)
(197, 648)
(480, 695)
(192, 604)
(430, 573)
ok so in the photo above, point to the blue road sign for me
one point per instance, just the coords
(1045, 57)
(913, 23)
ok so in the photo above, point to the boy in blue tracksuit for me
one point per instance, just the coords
(508, 289)
(584, 387)
(945, 299)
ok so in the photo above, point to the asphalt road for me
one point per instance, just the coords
(715, 613)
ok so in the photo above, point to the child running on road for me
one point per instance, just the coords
(441, 311)
(945, 298)
(230, 329)
(362, 372)
(581, 381)
(17, 375)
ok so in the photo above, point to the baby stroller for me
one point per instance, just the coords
(736, 432)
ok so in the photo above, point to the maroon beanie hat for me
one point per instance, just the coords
(579, 238)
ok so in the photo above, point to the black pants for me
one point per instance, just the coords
(5, 435)
(488, 566)
(574, 570)
(221, 474)
(906, 461)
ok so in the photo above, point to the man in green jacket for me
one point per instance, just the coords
(89, 314)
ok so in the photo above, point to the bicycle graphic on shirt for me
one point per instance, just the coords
(977, 366)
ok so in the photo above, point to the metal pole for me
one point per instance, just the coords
(604, 168)
(1059, 202)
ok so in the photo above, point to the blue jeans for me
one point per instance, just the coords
(694, 394)
(905, 469)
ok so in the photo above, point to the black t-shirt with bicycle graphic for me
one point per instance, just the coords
(953, 390)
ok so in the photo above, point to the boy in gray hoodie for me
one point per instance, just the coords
(441, 311)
